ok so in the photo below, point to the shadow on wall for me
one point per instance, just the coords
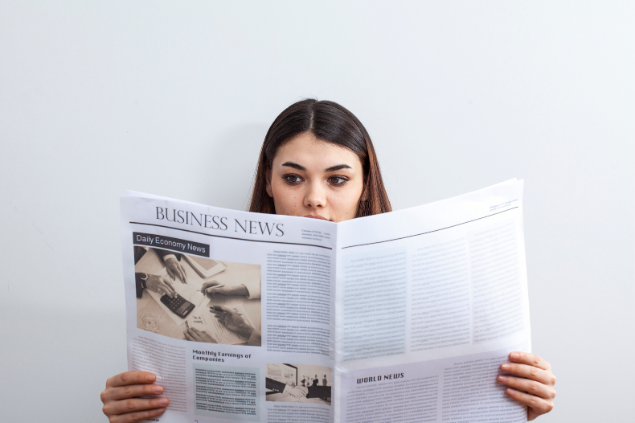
(228, 166)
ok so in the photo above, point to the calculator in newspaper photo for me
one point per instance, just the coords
(178, 305)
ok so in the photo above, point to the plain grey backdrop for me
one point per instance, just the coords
(174, 98)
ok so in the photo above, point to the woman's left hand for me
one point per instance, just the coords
(534, 387)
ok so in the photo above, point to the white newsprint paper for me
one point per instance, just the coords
(399, 317)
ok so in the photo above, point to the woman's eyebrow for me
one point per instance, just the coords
(337, 167)
(294, 165)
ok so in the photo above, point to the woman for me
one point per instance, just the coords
(317, 161)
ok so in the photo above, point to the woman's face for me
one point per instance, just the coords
(314, 178)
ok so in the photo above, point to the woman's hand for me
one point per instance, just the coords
(121, 404)
(534, 387)
(193, 334)
(160, 285)
(213, 288)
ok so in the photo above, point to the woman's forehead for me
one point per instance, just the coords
(314, 154)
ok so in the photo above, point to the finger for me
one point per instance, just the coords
(539, 405)
(213, 290)
(166, 289)
(529, 386)
(217, 313)
(209, 285)
(161, 290)
(195, 334)
(530, 359)
(220, 289)
(188, 336)
(210, 336)
(171, 292)
(182, 272)
(137, 417)
(170, 272)
(220, 317)
(134, 404)
(131, 391)
(169, 286)
(529, 372)
(130, 378)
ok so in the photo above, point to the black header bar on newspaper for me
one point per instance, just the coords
(168, 243)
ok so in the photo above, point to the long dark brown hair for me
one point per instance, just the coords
(329, 122)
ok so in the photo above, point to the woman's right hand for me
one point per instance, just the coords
(121, 404)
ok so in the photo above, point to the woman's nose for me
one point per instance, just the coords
(315, 196)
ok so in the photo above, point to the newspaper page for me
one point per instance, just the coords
(233, 311)
(429, 303)
(399, 317)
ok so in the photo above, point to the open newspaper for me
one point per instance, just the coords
(400, 317)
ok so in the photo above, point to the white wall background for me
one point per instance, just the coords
(175, 99)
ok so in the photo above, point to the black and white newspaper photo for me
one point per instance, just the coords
(304, 383)
(200, 294)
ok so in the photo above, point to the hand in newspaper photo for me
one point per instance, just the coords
(296, 391)
(193, 334)
(213, 288)
(175, 270)
(232, 320)
(160, 285)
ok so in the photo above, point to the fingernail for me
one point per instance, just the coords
(150, 378)
(514, 356)
(502, 378)
(158, 389)
(163, 401)
(505, 366)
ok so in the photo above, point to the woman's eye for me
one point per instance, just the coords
(337, 180)
(292, 179)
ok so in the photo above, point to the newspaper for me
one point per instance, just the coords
(399, 317)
